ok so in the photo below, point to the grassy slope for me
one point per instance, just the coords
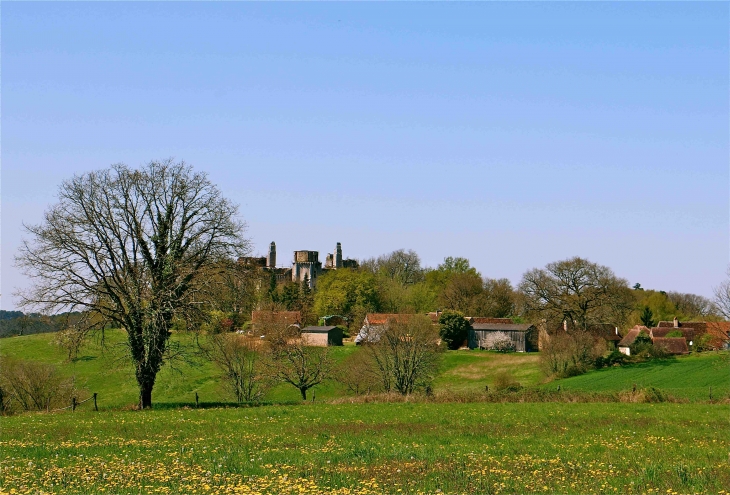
(109, 373)
(464, 371)
(372, 449)
(687, 376)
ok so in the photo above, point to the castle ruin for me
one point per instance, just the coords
(305, 265)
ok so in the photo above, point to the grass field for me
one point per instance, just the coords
(372, 448)
(109, 373)
(688, 377)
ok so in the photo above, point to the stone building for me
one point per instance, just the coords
(305, 265)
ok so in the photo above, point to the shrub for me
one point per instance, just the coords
(569, 354)
(499, 341)
(453, 328)
(504, 381)
(32, 386)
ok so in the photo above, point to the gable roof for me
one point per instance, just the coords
(630, 337)
(487, 319)
(504, 327)
(656, 332)
(673, 345)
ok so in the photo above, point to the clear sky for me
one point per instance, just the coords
(513, 134)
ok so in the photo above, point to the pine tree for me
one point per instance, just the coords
(647, 317)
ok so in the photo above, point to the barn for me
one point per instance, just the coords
(523, 336)
(322, 336)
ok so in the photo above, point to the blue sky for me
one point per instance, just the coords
(513, 134)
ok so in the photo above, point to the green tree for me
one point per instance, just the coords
(647, 317)
(453, 328)
(346, 292)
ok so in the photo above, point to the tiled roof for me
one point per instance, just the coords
(673, 345)
(630, 337)
(487, 319)
(505, 327)
(687, 333)
(382, 318)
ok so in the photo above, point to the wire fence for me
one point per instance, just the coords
(75, 403)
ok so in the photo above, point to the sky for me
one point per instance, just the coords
(511, 134)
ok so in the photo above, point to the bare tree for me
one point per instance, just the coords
(578, 291)
(357, 373)
(131, 246)
(401, 266)
(293, 362)
(722, 297)
(405, 355)
(239, 358)
(692, 305)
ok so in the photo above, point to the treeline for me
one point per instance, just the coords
(574, 290)
(18, 323)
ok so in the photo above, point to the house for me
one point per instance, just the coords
(606, 332)
(322, 336)
(693, 331)
(624, 345)
(375, 323)
(523, 336)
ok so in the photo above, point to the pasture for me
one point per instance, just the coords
(372, 448)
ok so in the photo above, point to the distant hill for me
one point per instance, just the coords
(18, 323)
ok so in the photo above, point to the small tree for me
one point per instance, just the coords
(70, 340)
(292, 362)
(241, 365)
(357, 373)
(499, 341)
(453, 328)
(647, 317)
(405, 355)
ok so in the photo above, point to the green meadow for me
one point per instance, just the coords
(372, 448)
(415, 447)
(104, 368)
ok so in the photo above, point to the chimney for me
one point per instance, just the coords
(565, 325)
(616, 330)
(676, 322)
(271, 259)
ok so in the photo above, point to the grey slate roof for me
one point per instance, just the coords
(317, 329)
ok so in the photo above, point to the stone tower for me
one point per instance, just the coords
(271, 259)
(338, 256)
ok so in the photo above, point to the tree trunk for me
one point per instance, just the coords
(304, 393)
(145, 395)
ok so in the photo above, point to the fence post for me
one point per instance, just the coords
(710, 392)
(196, 400)
(95, 408)
(73, 404)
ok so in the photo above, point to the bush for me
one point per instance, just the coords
(504, 381)
(570, 354)
(499, 341)
(453, 328)
(32, 386)
(615, 358)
